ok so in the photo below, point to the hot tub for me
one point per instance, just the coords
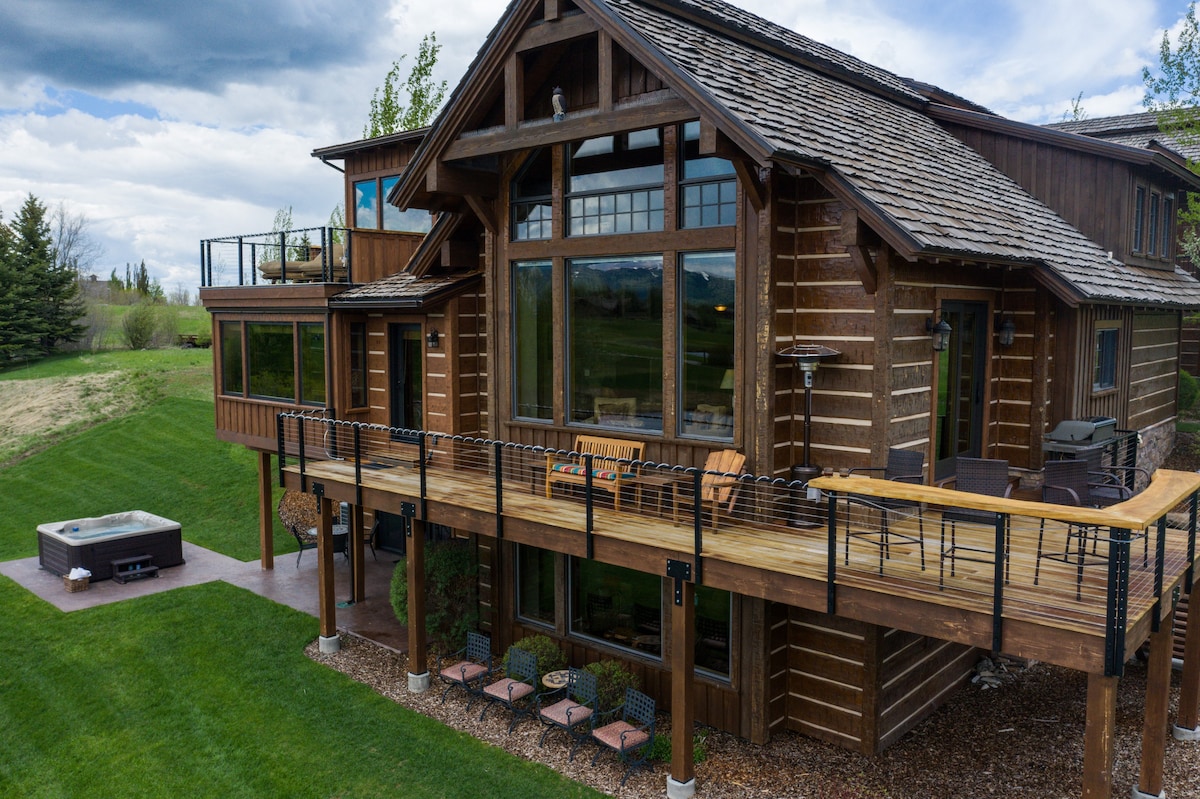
(94, 543)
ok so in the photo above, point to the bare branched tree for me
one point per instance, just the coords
(74, 246)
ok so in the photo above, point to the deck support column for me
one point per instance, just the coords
(1099, 737)
(414, 563)
(1187, 727)
(358, 565)
(266, 521)
(681, 783)
(1158, 697)
(329, 641)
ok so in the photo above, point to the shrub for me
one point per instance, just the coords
(1189, 391)
(660, 748)
(451, 609)
(612, 678)
(138, 326)
(549, 656)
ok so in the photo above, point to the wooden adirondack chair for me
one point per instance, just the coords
(719, 485)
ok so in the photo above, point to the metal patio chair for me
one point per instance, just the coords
(468, 668)
(574, 710)
(975, 476)
(517, 689)
(629, 736)
(903, 466)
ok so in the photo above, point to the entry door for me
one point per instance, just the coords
(405, 371)
(961, 390)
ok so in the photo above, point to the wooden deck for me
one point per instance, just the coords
(759, 554)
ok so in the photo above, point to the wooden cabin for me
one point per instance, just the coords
(626, 212)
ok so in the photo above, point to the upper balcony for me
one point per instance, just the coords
(305, 256)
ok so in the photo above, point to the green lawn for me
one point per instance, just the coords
(201, 691)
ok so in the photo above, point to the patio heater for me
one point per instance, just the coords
(807, 358)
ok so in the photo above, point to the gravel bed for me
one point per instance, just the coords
(1020, 738)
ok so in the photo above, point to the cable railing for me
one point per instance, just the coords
(1092, 570)
(302, 255)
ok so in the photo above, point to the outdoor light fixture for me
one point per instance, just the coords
(1007, 331)
(939, 333)
(432, 339)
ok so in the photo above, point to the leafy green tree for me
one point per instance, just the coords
(1173, 93)
(388, 114)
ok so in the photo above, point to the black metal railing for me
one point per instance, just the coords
(301, 255)
(810, 517)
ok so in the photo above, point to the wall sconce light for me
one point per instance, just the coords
(1007, 331)
(432, 339)
(939, 333)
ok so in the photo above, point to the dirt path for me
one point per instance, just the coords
(32, 410)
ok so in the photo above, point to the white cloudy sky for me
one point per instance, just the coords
(166, 122)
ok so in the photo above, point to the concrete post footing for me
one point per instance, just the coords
(1136, 794)
(418, 683)
(329, 644)
(1184, 734)
(680, 790)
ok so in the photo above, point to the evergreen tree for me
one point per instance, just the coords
(17, 337)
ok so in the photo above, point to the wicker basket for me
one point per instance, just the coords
(75, 586)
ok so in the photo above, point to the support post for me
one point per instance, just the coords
(1099, 737)
(266, 513)
(357, 562)
(1158, 698)
(1187, 727)
(418, 657)
(682, 781)
(329, 641)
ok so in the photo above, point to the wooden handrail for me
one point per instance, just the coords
(1166, 490)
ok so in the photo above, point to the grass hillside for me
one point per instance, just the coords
(200, 691)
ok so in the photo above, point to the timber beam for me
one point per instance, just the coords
(418, 654)
(445, 179)
(1158, 698)
(855, 237)
(683, 679)
(1099, 737)
(555, 31)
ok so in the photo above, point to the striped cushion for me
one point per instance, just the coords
(598, 474)
(557, 713)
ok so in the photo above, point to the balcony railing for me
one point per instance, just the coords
(303, 255)
(1095, 573)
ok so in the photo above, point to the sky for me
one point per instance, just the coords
(164, 122)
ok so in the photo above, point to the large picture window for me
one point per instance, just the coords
(615, 341)
(713, 629)
(706, 318)
(366, 204)
(535, 584)
(615, 184)
(533, 340)
(312, 363)
(270, 356)
(231, 358)
(373, 212)
(620, 606)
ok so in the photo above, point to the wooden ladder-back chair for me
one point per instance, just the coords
(517, 688)
(574, 711)
(903, 466)
(719, 485)
(975, 476)
(300, 516)
(629, 736)
(468, 668)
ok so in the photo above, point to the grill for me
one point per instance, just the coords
(1072, 437)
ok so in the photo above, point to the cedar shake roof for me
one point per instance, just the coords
(1134, 130)
(937, 193)
(403, 290)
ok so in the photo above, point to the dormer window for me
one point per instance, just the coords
(1152, 238)
(1139, 218)
(1168, 226)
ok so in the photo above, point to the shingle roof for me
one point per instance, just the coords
(942, 195)
(403, 290)
(1135, 130)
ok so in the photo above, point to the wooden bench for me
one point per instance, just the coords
(611, 465)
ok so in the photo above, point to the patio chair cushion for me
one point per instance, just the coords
(464, 671)
(598, 474)
(508, 689)
(610, 735)
(566, 713)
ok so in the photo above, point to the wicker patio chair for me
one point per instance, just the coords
(903, 466)
(517, 689)
(574, 710)
(975, 476)
(468, 668)
(629, 736)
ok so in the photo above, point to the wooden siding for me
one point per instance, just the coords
(1153, 368)
(375, 254)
